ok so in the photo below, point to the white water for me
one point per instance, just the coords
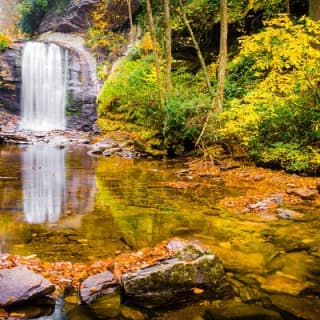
(44, 86)
(44, 183)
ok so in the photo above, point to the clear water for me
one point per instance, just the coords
(44, 86)
(61, 204)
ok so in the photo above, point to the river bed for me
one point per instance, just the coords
(60, 204)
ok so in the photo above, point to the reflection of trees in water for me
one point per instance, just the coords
(144, 214)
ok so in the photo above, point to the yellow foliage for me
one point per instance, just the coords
(5, 41)
(146, 43)
(284, 59)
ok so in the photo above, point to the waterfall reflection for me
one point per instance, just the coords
(44, 179)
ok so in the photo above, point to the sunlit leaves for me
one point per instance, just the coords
(275, 108)
(5, 41)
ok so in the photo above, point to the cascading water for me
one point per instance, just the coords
(44, 86)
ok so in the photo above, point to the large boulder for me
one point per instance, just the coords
(77, 16)
(190, 273)
(10, 78)
(20, 285)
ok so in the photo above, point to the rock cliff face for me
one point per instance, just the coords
(76, 17)
(82, 83)
(10, 78)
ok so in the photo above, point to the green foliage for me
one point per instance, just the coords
(32, 12)
(185, 111)
(290, 156)
(131, 95)
(132, 92)
(5, 41)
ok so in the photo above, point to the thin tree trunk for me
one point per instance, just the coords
(130, 15)
(197, 47)
(168, 46)
(288, 6)
(314, 9)
(217, 102)
(155, 52)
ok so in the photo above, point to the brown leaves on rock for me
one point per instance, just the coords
(64, 274)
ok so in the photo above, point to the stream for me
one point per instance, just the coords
(61, 204)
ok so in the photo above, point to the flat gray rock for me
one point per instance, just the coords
(98, 285)
(19, 285)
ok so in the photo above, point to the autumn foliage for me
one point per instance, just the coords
(5, 41)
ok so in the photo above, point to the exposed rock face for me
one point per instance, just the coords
(76, 17)
(19, 285)
(188, 274)
(98, 285)
(10, 78)
(82, 87)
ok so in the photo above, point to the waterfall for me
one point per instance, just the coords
(44, 86)
(44, 179)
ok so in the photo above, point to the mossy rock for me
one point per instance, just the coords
(189, 274)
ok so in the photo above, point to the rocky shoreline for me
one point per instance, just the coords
(183, 271)
(178, 272)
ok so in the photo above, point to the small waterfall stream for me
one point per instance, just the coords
(44, 86)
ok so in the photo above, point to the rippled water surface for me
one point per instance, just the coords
(61, 204)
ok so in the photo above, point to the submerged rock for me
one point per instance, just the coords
(188, 274)
(303, 193)
(232, 310)
(289, 214)
(19, 285)
(302, 308)
(98, 285)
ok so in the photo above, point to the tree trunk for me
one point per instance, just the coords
(130, 15)
(155, 52)
(288, 7)
(197, 47)
(168, 46)
(131, 34)
(314, 9)
(218, 101)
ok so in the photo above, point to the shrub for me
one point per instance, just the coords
(273, 96)
(131, 95)
(5, 41)
(32, 11)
